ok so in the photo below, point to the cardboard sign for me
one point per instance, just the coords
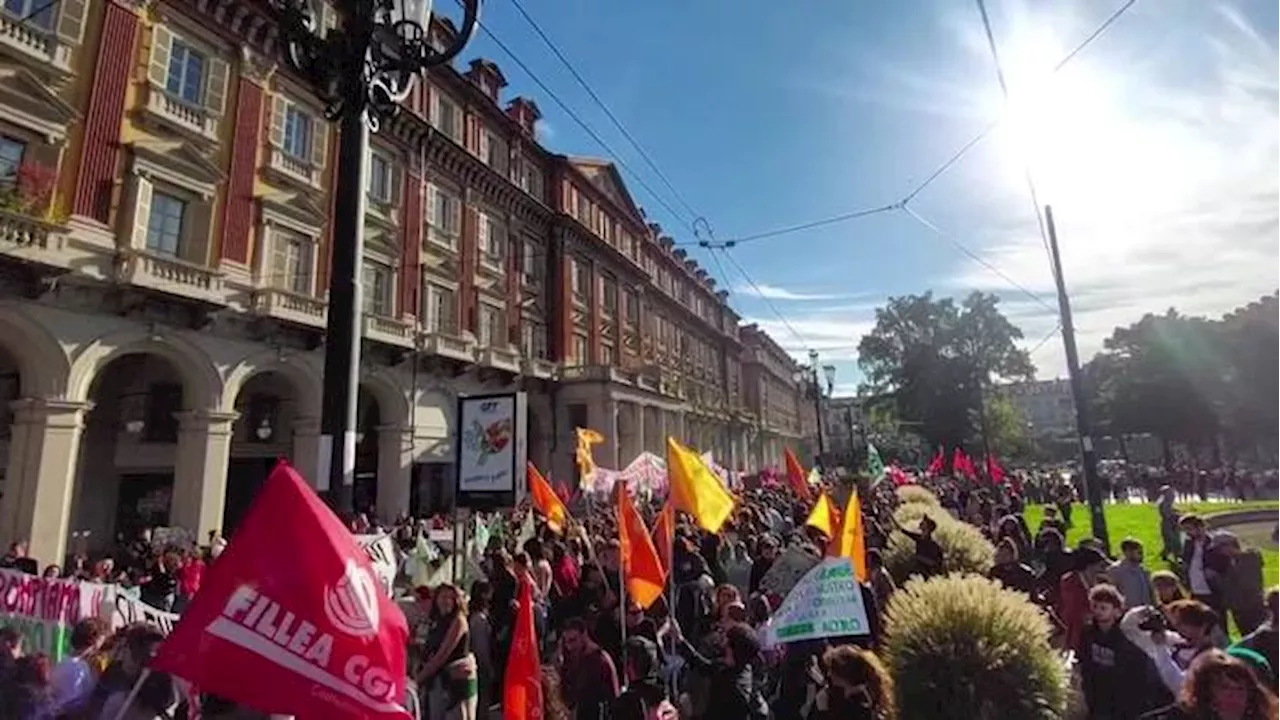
(787, 570)
(827, 602)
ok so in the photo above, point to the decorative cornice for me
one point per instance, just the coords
(256, 67)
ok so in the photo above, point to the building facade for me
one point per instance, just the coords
(1046, 406)
(777, 395)
(165, 207)
(843, 428)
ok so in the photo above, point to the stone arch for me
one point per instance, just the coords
(393, 401)
(437, 406)
(201, 382)
(306, 382)
(43, 365)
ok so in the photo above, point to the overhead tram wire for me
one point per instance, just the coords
(950, 161)
(724, 276)
(644, 155)
(585, 127)
(759, 293)
(1026, 166)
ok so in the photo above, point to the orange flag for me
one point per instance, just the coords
(850, 541)
(641, 566)
(797, 479)
(664, 534)
(522, 683)
(545, 500)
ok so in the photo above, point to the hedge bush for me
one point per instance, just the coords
(916, 494)
(964, 647)
(964, 548)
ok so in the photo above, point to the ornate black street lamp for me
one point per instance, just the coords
(362, 69)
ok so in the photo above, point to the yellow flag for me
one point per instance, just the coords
(823, 516)
(696, 489)
(853, 542)
(586, 463)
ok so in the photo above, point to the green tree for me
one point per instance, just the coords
(934, 357)
(1006, 428)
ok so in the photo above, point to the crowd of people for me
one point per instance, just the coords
(1138, 644)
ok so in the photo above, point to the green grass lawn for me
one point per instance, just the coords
(1142, 522)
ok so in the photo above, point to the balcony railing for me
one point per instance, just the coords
(500, 358)
(31, 239)
(33, 43)
(294, 168)
(182, 115)
(289, 306)
(390, 331)
(538, 368)
(173, 276)
(445, 343)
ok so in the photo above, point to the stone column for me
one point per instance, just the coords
(395, 471)
(640, 413)
(200, 473)
(43, 452)
(664, 429)
(612, 443)
(306, 448)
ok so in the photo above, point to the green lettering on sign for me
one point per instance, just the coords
(793, 630)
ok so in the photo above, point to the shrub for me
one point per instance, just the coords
(908, 494)
(964, 647)
(964, 547)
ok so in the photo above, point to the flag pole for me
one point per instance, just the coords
(671, 586)
(133, 694)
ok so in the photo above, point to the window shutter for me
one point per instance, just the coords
(482, 232)
(433, 215)
(215, 93)
(71, 21)
(141, 211)
(319, 142)
(278, 269)
(161, 49)
(279, 107)
(397, 178)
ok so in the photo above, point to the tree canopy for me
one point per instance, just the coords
(933, 356)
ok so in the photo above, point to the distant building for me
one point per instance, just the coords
(843, 425)
(1045, 405)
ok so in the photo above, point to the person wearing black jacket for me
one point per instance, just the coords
(733, 677)
(645, 692)
(1119, 679)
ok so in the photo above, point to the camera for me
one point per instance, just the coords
(1154, 622)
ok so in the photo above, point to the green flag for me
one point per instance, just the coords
(875, 466)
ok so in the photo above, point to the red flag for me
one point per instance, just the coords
(961, 464)
(290, 620)
(641, 565)
(522, 683)
(935, 465)
(994, 472)
(796, 476)
(664, 534)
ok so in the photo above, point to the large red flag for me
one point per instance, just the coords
(522, 683)
(290, 620)
(797, 479)
(936, 464)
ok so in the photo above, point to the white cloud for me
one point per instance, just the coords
(773, 292)
(1164, 189)
(835, 339)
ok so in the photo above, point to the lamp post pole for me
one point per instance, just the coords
(362, 70)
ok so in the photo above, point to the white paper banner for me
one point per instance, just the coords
(827, 602)
(382, 553)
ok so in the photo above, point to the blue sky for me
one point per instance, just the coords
(1158, 147)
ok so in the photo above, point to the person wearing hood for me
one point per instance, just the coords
(645, 696)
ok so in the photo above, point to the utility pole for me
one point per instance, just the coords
(817, 407)
(1084, 421)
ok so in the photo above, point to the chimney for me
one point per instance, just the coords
(655, 229)
(485, 75)
(666, 242)
(680, 253)
(722, 295)
(525, 112)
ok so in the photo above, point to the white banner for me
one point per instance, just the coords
(121, 610)
(382, 552)
(827, 602)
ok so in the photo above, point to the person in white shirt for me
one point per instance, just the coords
(72, 680)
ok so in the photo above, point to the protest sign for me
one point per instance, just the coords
(382, 553)
(44, 610)
(827, 602)
(122, 610)
(787, 570)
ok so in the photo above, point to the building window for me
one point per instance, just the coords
(529, 176)
(580, 279)
(378, 288)
(445, 115)
(438, 308)
(491, 326)
(633, 308)
(444, 216)
(580, 354)
(297, 133)
(493, 151)
(164, 225)
(531, 261)
(382, 179)
(11, 153)
(186, 73)
(292, 262)
(606, 355)
(492, 239)
(533, 340)
(36, 13)
(609, 296)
